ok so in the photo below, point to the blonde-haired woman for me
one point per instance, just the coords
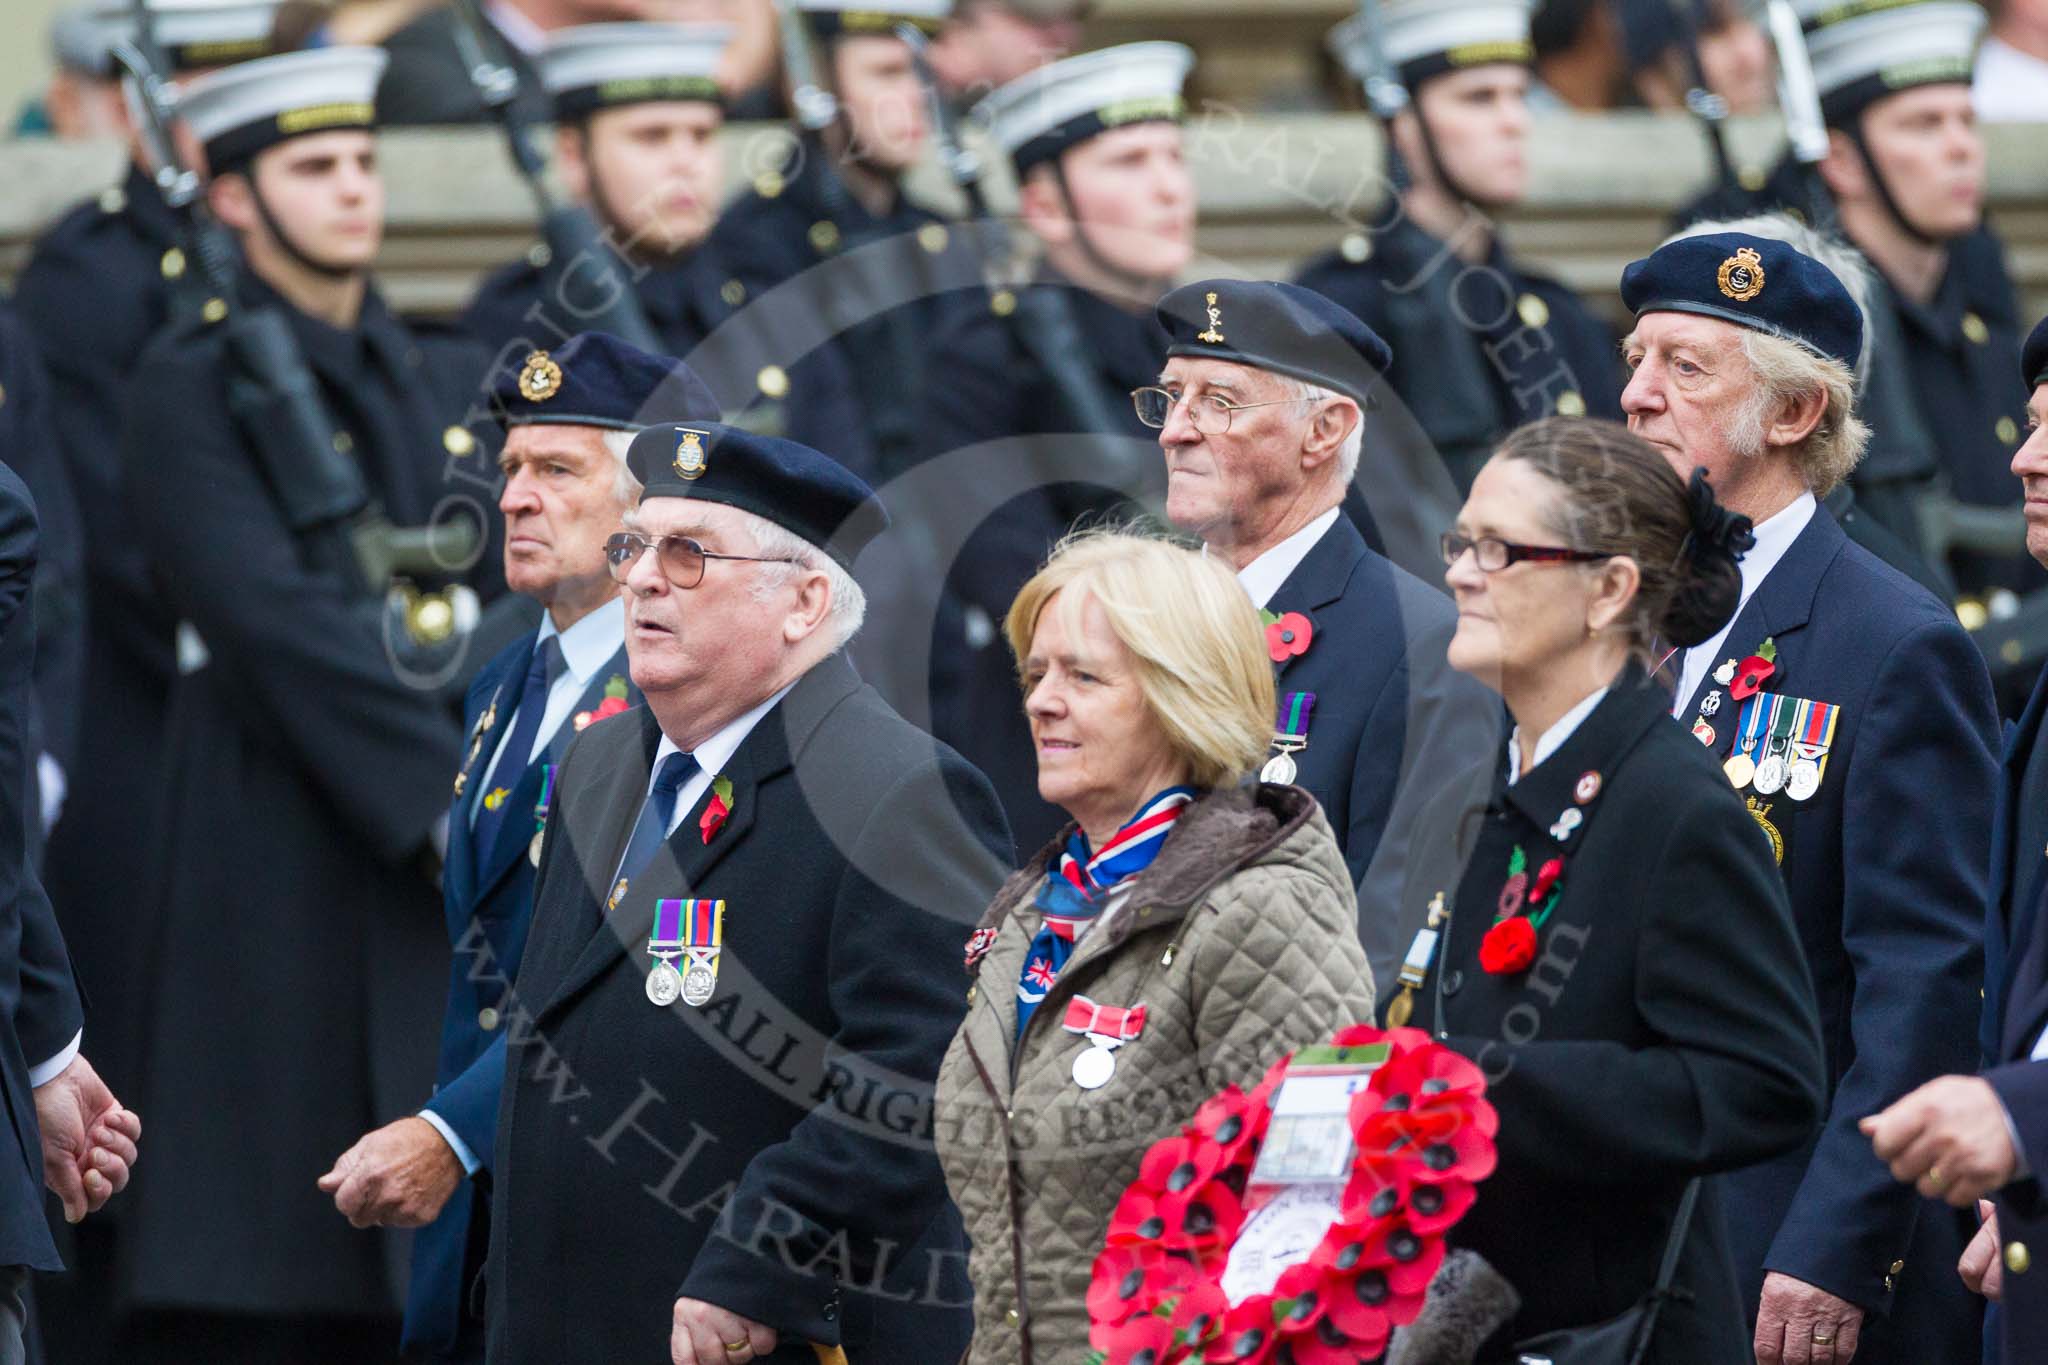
(1185, 930)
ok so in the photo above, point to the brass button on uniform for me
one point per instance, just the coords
(538, 255)
(933, 238)
(458, 441)
(487, 1019)
(1752, 178)
(1356, 248)
(1534, 312)
(1897, 1266)
(113, 199)
(1975, 330)
(2007, 431)
(172, 263)
(773, 381)
(733, 292)
(214, 310)
(1571, 403)
(2018, 1259)
(824, 236)
(1002, 303)
(768, 184)
(343, 443)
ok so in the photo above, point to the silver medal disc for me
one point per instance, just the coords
(699, 985)
(663, 985)
(1770, 776)
(1093, 1068)
(1804, 780)
(1279, 769)
(533, 849)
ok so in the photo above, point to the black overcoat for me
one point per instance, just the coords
(1666, 1029)
(770, 1152)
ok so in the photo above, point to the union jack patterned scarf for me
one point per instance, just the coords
(1077, 885)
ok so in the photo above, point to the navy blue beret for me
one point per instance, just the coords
(1279, 327)
(1754, 282)
(809, 494)
(597, 380)
(2034, 358)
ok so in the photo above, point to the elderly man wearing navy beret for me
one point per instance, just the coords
(1261, 412)
(714, 1142)
(1970, 1138)
(569, 416)
(1856, 718)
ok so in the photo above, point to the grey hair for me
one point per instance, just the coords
(1786, 371)
(1354, 443)
(626, 487)
(849, 604)
(1844, 261)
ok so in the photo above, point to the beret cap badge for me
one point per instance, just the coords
(541, 379)
(1742, 275)
(1214, 336)
(690, 462)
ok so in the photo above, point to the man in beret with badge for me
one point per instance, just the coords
(1856, 718)
(714, 1139)
(1982, 1140)
(570, 415)
(1105, 191)
(289, 893)
(1261, 413)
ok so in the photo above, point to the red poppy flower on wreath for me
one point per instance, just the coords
(1509, 947)
(1547, 877)
(1750, 676)
(1142, 1341)
(1133, 1280)
(1289, 636)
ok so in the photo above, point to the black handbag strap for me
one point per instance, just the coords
(1667, 1270)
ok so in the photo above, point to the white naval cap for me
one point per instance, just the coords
(597, 66)
(829, 17)
(193, 33)
(246, 108)
(1037, 116)
(1863, 50)
(1425, 38)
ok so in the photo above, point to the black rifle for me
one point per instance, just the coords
(1701, 102)
(575, 243)
(276, 402)
(1041, 322)
(1799, 97)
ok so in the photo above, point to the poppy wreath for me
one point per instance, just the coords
(1424, 1137)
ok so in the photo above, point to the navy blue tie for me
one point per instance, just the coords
(496, 801)
(651, 831)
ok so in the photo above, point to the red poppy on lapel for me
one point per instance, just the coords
(1509, 947)
(1288, 636)
(717, 809)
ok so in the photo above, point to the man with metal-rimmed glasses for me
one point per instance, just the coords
(1261, 413)
(745, 946)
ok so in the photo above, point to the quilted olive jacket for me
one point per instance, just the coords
(1241, 941)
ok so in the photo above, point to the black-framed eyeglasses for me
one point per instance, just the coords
(1494, 554)
(681, 558)
(1209, 412)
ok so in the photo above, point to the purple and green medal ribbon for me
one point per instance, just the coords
(547, 793)
(680, 924)
(1293, 718)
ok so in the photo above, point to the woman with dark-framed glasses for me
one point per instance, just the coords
(1618, 953)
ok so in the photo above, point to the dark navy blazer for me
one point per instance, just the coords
(2016, 999)
(488, 897)
(1886, 868)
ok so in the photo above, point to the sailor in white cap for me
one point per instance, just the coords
(1906, 170)
(308, 773)
(100, 282)
(637, 110)
(1106, 196)
(837, 194)
(1482, 343)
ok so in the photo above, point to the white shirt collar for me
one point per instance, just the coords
(716, 751)
(1773, 539)
(591, 642)
(1552, 739)
(1263, 576)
